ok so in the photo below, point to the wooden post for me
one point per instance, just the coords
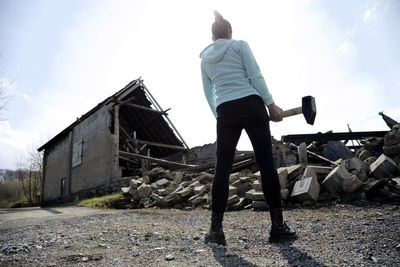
(116, 143)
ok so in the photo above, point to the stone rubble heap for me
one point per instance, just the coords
(363, 176)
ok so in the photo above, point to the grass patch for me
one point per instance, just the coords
(105, 202)
(113, 201)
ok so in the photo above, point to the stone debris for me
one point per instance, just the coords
(369, 174)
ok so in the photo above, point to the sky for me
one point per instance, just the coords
(58, 59)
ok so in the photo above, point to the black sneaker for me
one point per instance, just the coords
(282, 233)
(215, 236)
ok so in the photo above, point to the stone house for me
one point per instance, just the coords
(117, 138)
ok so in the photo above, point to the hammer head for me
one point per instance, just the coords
(309, 109)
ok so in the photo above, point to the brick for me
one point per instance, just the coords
(305, 189)
(383, 167)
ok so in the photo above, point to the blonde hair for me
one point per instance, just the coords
(221, 28)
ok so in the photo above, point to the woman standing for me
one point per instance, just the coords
(237, 94)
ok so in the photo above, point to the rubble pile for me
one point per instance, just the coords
(369, 174)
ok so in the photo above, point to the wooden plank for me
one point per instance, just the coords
(144, 108)
(159, 161)
(161, 145)
(130, 138)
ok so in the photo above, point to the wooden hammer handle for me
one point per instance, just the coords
(291, 112)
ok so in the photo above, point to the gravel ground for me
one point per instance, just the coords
(361, 234)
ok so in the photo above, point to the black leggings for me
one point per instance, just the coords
(247, 113)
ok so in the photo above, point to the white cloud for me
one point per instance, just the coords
(17, 139)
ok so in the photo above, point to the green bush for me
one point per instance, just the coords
(10, 191)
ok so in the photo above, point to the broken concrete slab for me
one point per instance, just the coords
(285, 194)
(257, 185)
(294, 171)
(383, 167)
(351, 184)
(334, 180)
(232, 191)
(243, 188)
(306, 189)
(355, 164)
(144, 190)
(283, 177)
(185, 192)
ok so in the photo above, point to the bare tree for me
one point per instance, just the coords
(29, 173)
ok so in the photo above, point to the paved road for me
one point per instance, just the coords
(21, 217)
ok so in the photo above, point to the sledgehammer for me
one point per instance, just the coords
(308, 109)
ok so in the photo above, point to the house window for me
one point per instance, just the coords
(77, 154)
(62, 187)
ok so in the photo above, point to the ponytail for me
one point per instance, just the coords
(221, 28)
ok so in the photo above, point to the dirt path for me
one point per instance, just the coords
(362, 234)
(21, 217)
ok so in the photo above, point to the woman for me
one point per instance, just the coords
(237, 95)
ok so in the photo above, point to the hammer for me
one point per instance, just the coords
(308, 109)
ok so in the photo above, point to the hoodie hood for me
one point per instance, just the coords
(215, 51)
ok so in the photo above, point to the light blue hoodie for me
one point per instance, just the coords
(229, 71)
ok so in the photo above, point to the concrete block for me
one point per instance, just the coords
(302, 151)
(357, 164)
(154, 186)
(125, 190)
(158, 199)
(243, 188)
(305, 189)
(200, 189)
(194, 184)
(233, 199)
(146, 179)
(253, 195)
(178, 177)
(233, 177)
(370, 160)
(135, 182)
(162, 182)
(257, 185)
(256, 175)
(245, 179)
(393, 137)
(283, 177)
(392, 150)
(351, 184)
(236, 183)
(245, 172)
(185, 192)
(144, 190)
(205, 178)
(232, 191)
(294, 171)
(164, 191)
(383, 167)
(333, 181)
(285, 194)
